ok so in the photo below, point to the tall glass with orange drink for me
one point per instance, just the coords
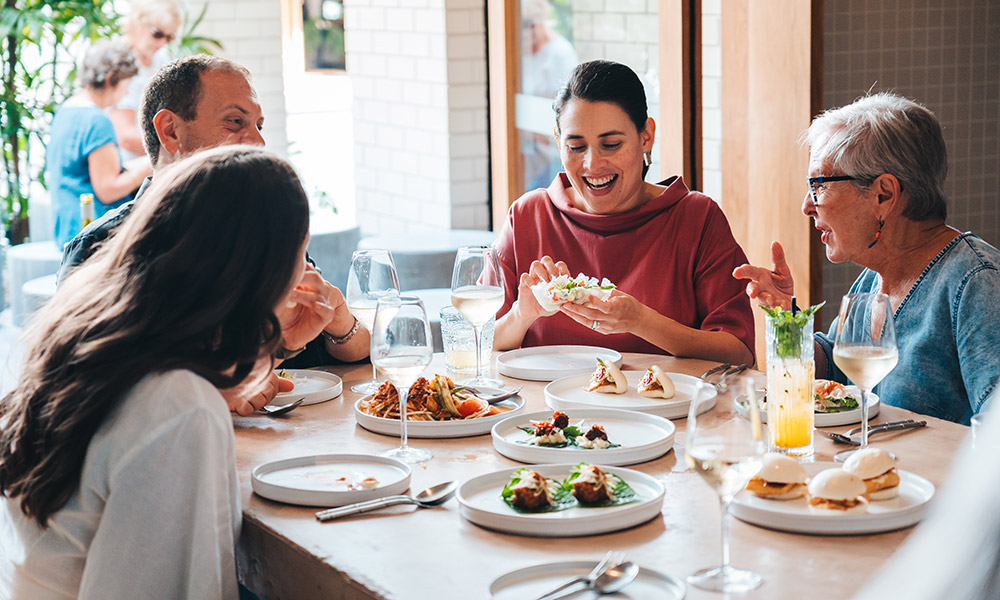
(790, 372)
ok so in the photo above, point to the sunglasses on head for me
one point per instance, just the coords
(159, 35)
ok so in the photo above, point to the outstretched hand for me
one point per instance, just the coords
(258, 389)
(772, 288)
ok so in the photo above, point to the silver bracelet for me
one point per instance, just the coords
(344, 339)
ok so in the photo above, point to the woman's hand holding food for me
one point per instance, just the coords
(773, 287)
(310, 307)
(620, 313)
(526, 307)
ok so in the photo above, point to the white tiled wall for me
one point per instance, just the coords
(250, 33)
(945, 55)
(420, 126)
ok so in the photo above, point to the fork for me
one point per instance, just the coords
(842, 438)
(478, 393)
(611, 558)
(723, 385)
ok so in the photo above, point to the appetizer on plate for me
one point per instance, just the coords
(435, 400)
(585, 486)
(779, 478)
(832, 397)
(835, 490)
(607, 379)
(558, 433)
(656, 384)
(559, 290)
(877, 470)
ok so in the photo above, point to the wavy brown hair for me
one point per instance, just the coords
(190, 281)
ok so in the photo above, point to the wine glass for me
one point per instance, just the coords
(725, 449)
(372, 276)
(864, 348)
(402, 348)
(478, 297)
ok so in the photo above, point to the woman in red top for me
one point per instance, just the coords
(669, 250)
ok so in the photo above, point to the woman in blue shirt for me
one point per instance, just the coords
(876, 176)
(82, 155)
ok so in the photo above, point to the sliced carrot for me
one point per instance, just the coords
(470, 407)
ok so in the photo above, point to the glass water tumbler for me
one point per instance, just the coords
(790, 372)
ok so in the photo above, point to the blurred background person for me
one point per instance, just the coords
(82, 156)
(546, 60)
(150, 26)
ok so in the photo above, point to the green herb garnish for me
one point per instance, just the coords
(788, 329)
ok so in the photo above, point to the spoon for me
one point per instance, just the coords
(478, 393)
(432, 496)
(615, 578)
(274, 411)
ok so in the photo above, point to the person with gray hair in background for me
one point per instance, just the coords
(82, 154)
(149, 27)
(876, 175)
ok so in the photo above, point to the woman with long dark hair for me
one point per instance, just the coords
(116, 448)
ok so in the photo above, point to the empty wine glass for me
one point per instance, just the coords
(477, 293)
(864, 348)
(402, 348)
(725, 449)
(372, 276)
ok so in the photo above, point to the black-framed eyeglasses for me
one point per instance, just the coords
(159, 35)
(815, 182)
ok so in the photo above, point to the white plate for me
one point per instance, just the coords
(314, 386)
(314, 480)
(641, 437)
(836, 419)
(545, 363)
(568, 392)
(902, 511)
(532, 582)
(439, 429)
(480, 502)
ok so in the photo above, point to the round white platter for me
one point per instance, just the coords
(480, 503)
(641, 437)
(439, 429)
(569, 392)
(905, 510)
(533, 581)
(317, 480)
(545, 363)
(313, 386)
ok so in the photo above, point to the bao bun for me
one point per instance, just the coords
(878, 470)
(660, 384)
(835, 489)
(779, 478)
(613, 382)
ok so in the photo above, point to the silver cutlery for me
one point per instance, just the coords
(723, 381)
(432, 496)
(842, 438)
(491, 398)
(704, 376)
(611, 558)
(275, 411)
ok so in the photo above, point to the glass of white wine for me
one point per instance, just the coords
(864, 348)
(402, 348)
(477, 292)
(372, 276)
(725, 448)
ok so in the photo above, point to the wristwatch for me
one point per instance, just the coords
(343, 339)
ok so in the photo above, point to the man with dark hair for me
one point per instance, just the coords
(201, 102)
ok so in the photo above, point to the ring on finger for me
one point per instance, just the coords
(594, 325)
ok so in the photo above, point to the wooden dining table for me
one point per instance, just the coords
(405, 552)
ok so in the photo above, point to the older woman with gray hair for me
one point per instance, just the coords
(876, 174)
(82, 154)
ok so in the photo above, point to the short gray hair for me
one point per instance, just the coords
(106, 63)
(886, 133)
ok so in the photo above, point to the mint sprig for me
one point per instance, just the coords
(788, 329)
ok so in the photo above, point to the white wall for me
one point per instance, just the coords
(250, 32)
(418, 69)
